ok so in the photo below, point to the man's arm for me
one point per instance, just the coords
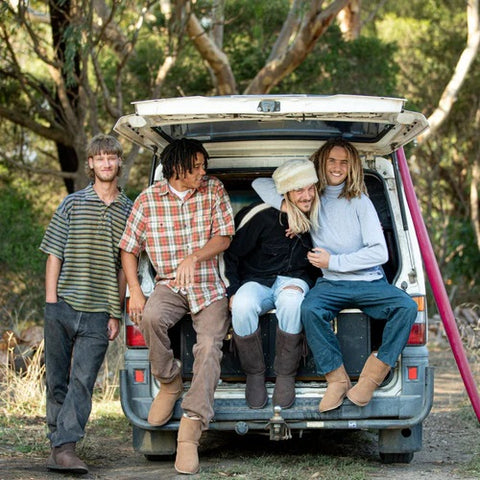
(52, 273)
(266, 190)
(114, 323)
(122, 286)
(186, 268)
(137, 299)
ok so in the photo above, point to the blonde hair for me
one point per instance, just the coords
(298, 221)
(355, 182)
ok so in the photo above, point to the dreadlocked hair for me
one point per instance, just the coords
(179, 157)
(354, 183)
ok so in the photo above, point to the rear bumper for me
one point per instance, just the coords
(407, 411)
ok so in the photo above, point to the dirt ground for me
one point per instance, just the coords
(451, 436)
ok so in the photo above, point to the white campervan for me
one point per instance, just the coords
(247, 137)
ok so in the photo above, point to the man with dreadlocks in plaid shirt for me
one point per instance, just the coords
(183, 222)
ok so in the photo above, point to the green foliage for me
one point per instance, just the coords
(21, 262)
(363, 66)
(406, 49)
(21, 233)
(430, 36)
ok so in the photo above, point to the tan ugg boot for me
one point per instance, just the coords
(189, 435)
(373, 373)
(162, 407)
(64, 458)
(338, 384)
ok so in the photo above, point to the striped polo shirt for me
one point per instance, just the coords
(84, 234)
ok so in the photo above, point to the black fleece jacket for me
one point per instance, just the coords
(260, 251)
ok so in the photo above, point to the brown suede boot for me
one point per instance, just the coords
(188, 438)
(288, 350)
(65, 459)
(373, 373)
(338, 384)
(250, 352)
(162, 407)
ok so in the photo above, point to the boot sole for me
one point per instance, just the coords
(59, 468)
(185, 472)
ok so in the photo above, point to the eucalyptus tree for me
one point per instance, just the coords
(69, 66)
(437, 52)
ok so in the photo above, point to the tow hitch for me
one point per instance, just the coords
(279, 430)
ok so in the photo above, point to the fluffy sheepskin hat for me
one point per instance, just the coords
(294, 174)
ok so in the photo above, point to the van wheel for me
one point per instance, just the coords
(396, 457)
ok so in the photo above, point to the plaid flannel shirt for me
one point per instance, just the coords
(169, 229)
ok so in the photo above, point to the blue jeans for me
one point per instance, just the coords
(377, 299)
(75, 346)
(253, 300)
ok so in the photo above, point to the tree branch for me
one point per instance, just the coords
(314, 24)
(216, 59)
(40, 171)
(449, 95)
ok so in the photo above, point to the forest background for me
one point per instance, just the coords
(70, 68)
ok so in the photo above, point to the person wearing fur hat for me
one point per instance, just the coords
(350, 249)
(266, 269)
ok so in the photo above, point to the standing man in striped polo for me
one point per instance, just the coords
(84, 287)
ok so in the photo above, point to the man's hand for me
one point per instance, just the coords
(318, 257)
(113, 328)
(230, 302)
(136, 305)
(185, 272)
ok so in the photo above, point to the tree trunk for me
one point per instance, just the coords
(349, 20)
(60, 15)
(313, 25)
(464, 63)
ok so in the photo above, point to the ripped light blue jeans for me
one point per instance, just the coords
(253, 299)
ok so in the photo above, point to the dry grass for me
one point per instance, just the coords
(23, 391)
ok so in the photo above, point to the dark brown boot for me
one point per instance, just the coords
(65, 459)
(250, 352)
(373, 374)
(338, 383)
(288, 351)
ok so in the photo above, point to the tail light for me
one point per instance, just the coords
(133, 335)
(418, 333)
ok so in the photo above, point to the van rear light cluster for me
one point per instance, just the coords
(418, 333)
(134, 337)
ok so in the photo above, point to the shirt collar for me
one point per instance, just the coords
(91, 194)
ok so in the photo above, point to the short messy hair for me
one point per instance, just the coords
(99, 144)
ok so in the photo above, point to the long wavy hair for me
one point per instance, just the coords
(298, 221)
(355, 182)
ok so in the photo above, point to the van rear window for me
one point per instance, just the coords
(298, 128)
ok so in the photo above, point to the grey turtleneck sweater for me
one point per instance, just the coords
(348, 229)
